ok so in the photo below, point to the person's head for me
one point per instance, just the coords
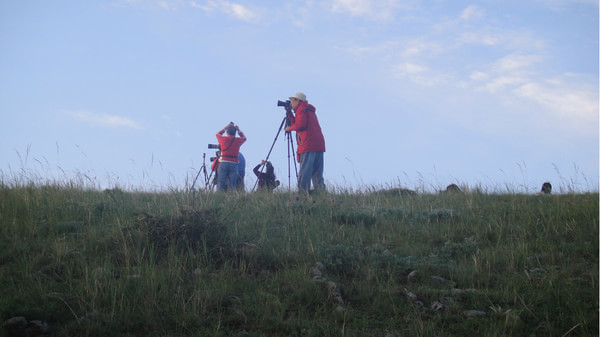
(296, 99)
(270, 169)
(547, 188)
(231, 130)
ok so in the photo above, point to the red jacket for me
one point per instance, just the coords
(308, 131)
(230, 146)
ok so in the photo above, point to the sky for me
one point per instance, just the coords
(499, 95)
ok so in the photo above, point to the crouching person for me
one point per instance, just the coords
(266, 180)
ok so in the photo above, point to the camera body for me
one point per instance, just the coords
(215, 147)
(286, 104)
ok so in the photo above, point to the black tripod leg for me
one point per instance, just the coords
(206, 177)
(208, 182)
(291, 146)
(289, 138)
(294, 156)
(195, 179)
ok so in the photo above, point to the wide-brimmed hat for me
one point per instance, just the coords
(300, 96)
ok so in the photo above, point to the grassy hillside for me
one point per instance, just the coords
(77, 262)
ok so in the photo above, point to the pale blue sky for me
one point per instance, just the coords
(415, 94)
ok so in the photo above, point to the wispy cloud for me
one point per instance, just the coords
(575, 103)
(229, 8)
(507, 72)
(485, 37)
(104, 120)
(232, 9)
(563, 100)
(418, 74)
(373, 9)
(169, 5)
(506, 65)
(558, 5)
(472, 12)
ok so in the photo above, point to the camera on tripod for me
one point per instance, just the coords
(286, 104)
(218, 148)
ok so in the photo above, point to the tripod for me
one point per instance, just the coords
(203, 170)
(290, 143)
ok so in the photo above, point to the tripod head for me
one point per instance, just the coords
(287, 105)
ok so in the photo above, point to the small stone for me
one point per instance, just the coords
(438, 306)
(320, 266)
(15, 326)
(474, 313)
(458, 292)
(334, 293)
(37, 328)
(319, 279)
(443, 281)
(446, 300)
(412, 296)
(413, 276)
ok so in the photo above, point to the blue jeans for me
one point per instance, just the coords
(227, 176)
(311, 169)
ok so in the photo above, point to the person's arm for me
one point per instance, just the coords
(256, 171)
(222, 131)
(290, 115)
(300, 122)
(240, 132)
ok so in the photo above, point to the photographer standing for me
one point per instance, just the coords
(227, 171)
(311, 143)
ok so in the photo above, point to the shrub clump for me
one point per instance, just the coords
(200, 231)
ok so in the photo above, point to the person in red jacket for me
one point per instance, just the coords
(311, 143)
(227, 171)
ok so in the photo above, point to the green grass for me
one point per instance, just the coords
(179, 263)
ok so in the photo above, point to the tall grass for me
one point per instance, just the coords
(192, 263)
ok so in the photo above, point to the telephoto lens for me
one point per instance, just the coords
(286, 104)
(214, 146)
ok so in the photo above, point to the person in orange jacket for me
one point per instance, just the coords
(311, 143)
(227, 171)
